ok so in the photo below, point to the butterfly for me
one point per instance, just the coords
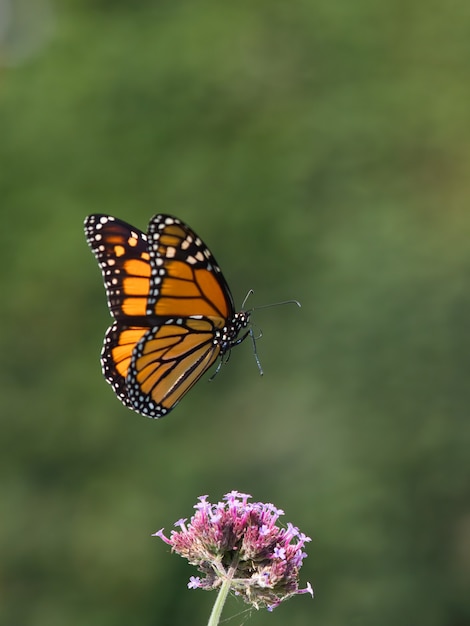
(173, 311)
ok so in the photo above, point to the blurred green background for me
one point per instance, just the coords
(322, 150)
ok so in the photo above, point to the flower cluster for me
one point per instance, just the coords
(239, 541)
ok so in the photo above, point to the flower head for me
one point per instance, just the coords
(240, 541)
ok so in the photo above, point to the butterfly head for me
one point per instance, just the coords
(228, 336)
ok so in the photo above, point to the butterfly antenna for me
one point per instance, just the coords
(250, 293)
(251, 333)
(267, 306)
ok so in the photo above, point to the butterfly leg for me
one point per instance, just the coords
(253, 341)
(255, 352)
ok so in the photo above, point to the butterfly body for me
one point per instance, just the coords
(173, 311)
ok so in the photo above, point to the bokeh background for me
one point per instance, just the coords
(322, 150)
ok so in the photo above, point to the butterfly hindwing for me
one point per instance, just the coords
(167, 362)
(116, 356)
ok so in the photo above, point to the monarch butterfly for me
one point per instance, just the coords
(173, 310)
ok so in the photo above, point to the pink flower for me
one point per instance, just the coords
(240, 541)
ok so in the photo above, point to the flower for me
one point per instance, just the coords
(240, 542)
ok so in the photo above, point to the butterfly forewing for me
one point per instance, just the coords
(122, 254)
(191, 280)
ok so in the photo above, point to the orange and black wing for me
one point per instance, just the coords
(192, 300)
(186, 278)
(167, 362)
(122, 255)
(116, 355)
(124, 260)
(170, 302)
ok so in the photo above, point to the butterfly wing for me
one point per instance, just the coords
(169, 300)
(116, 355)
(167, 362)
(187, 280)
(123, 257)
(189, 292)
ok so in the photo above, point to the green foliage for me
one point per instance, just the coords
(321, 150)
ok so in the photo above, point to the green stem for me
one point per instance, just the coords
(227, 578)
(219, 603)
